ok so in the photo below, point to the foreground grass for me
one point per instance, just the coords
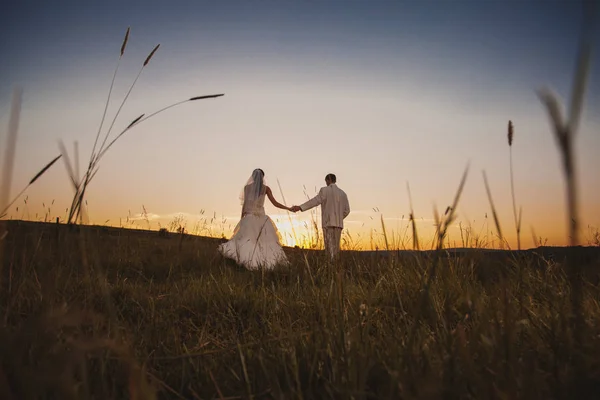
(96, 314)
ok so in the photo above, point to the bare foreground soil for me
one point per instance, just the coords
(101, 313)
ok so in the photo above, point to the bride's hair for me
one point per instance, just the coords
(260, 180)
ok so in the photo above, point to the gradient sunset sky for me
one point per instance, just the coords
(377, 92)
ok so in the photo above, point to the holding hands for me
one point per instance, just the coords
(295, 209)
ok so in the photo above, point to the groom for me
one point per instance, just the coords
(334, 208)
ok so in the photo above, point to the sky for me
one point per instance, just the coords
(381, 93)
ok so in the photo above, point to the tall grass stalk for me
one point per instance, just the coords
(443, 224)
(124, 99)
(450, 214)
(494, 213)
(288, 213)
(80, 184)
(385, 236)
(123, 47)
(510, 137)
(564, 134)
(11, 146)
(9, 162)
(413, 223)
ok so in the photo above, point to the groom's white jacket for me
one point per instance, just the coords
(334, 206)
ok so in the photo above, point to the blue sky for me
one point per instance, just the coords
(379, 92)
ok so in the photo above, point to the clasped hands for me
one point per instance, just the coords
(295, 209)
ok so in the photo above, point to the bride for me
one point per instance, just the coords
(255, 242)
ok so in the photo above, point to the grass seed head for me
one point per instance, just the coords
(43, 170)
(124, 45)
(151, 55)
(210, 96)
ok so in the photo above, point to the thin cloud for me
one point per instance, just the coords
(154, 217)
(362, 212)
(408, 220)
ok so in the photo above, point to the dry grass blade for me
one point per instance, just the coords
(438, 223)
(552, 104)
(68, 165)
(447, 221)
(385, 236)
(519, 220)
(151, 55)
(76, 153)
(450, 214)
(79, 194)
(212, 378)
(564, 138)
(459, 191)
(288, 213)
(77, 211)
(565, 133)
(536, 243)
(245, 371)
(494, 213)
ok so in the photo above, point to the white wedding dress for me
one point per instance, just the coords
(255, 242)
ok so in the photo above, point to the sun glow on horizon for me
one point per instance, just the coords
(364, 229)
(304, 231)
(294, 231)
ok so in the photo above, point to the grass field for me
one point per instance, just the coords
(101, 313)
(94, 312)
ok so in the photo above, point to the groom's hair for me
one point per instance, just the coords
(330, 177)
